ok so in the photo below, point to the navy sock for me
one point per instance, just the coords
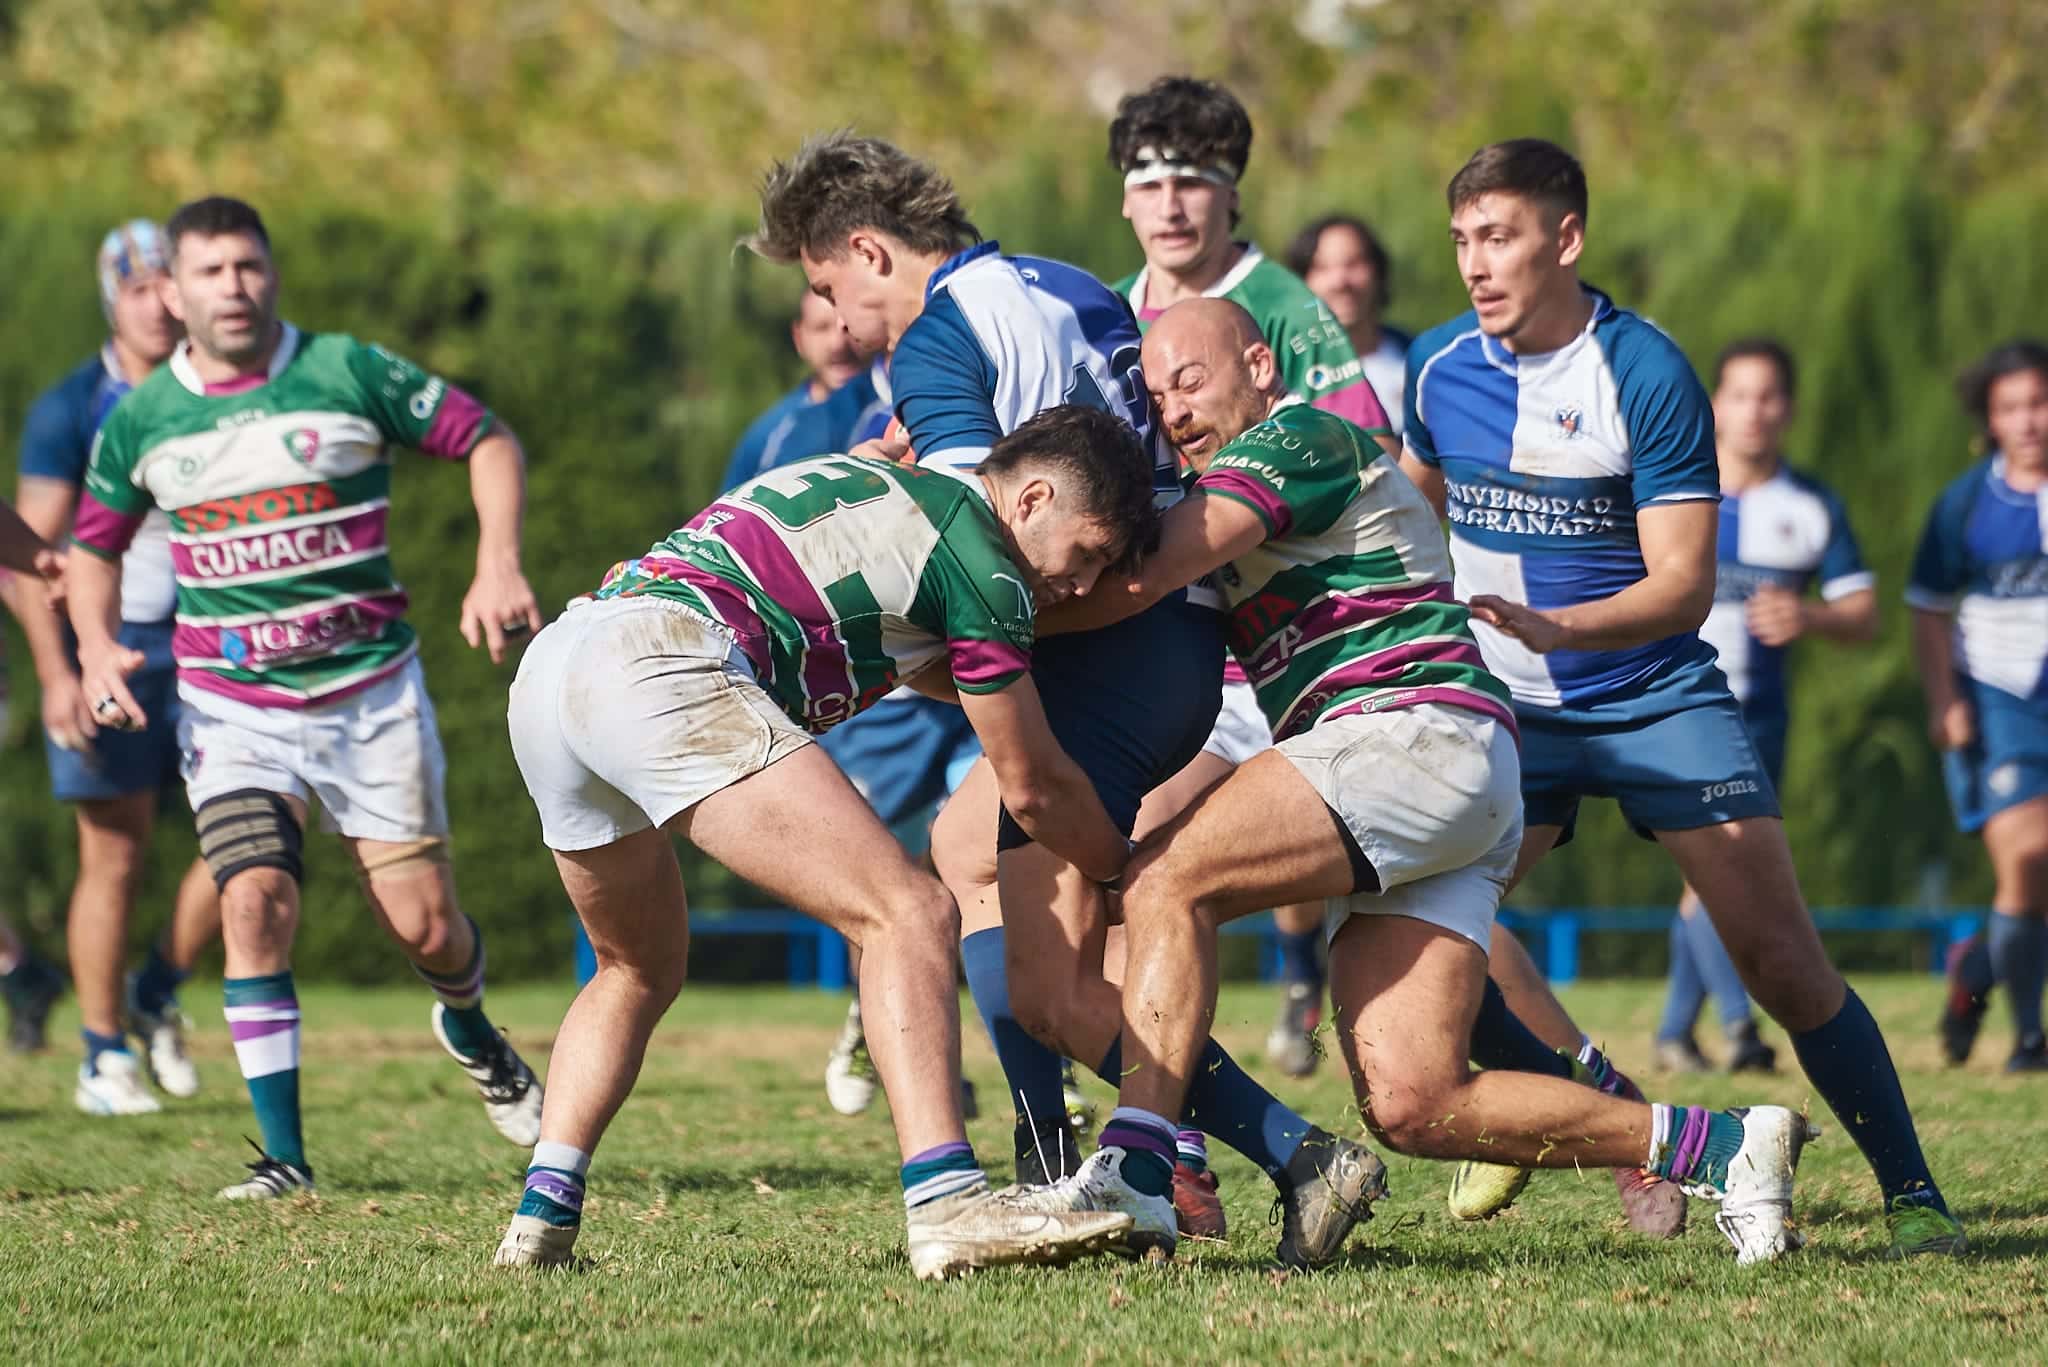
(2019, 957)
(1032, 1070)
(1850, 1067)
(1717, 970)
(156, 986)
(1224, 1103)
(1685, 993)
(1500, 1040)
(1972, 971)
(1301, 959)
(97, 1044)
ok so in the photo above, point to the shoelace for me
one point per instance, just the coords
(276, 1176)
(507, 1083)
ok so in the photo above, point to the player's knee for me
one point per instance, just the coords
(250, 830)
(963, 855)
(916, 909)
(1154, 887)
(1412, 1121)
(657, 978)
(258, 910)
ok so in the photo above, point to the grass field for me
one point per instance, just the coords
(734, 1216)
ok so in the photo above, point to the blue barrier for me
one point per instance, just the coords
(816, 955)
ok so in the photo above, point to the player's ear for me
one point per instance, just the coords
(1258, 358)
(1571, 239)
(167, 290)
(870, 250)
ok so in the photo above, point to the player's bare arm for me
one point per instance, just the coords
(499, 601)
(1041, 786)
(1777, 616)
(47, 506)
(1673, 596)
(93, 593)
(1196, 536)
(1950, 723)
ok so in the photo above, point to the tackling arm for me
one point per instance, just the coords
(1041, 785)
(1198, 534)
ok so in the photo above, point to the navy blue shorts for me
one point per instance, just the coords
(120, 763)
(2006, 764)
(1132, 703)
(1691, 767)
(905, 756)
(1767, 727)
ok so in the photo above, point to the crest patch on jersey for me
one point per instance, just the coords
(303, 443)
(1571, 421)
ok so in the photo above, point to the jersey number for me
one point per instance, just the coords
(1083, 388)
(814, 494)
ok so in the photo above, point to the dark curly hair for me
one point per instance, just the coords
(1103, 462)
(1201, 120)
(839, 183)
(2015, 357)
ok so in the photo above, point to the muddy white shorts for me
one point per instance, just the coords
(1241, 728)
(372, 761)
(627, 711)
(1433, 796)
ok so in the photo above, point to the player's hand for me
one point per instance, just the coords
(1776, 616)
(890, 446)
(1952, 725)
(66, 715)
(499, 604)
(1534, 630)
(103, 678)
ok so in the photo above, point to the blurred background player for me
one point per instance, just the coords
(1979, 595)
(298, 676)
(29, 984)
(1782, 533)
(820, 415)
(1182, 146)
(116, 780)
(1342, 260)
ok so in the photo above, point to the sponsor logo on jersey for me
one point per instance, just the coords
(303, 443)
(275, 551)
(274, 642)
(1571, 421)
(264, 505)
(423, 404)
(1024, 599)
(1321, 377)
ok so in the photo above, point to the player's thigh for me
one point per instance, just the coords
(1406, 993)
(232, 747)
(1691, 768)
(798, 831)
(376, 764)
(113, 833)
(2016, 838)
(964, 832)
(1261, 837)
(1172, 797)
(1744, 875)
(629, 895)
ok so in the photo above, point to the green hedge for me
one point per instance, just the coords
(629, 347)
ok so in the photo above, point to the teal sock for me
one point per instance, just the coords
(263, 1018)
(1692, 1145)
(943, 1171)
(554, 1185)
(462, 996)
(1191, 1150)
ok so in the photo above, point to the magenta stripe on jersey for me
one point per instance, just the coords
(1471, 699)
(289, 635)
(978, 664)
(1253, 490)
(458, 422)
(257, 548)
(263, 695)
(102, 528)
(774, 569)
(1377, 670)
(1357, 402)
(1340, 611)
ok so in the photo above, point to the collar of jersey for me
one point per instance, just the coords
(181, 360)
(1250, 256)
(954, 262)
(2003, 491)
(1503, 359)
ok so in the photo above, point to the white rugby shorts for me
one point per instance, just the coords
(1241, 728)
(372, 761)
(1433, 796)
(627, 711)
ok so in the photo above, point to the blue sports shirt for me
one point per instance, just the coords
(799, 427)
(1789, 531)
(1984, 558)
(1546, 460)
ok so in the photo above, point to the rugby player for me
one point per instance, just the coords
(979, 342)
(681, 701)
(115, 779)
(1392, 789)
(1572, 447)
(30, 985)
(1182, 145)
(1782, 532)
(1979, 595)
(298, 678)
(1342, 261)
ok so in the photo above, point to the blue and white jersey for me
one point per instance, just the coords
(1546, 460)
(799, 427)
(873, 420)
(1789, 531)
(1984, 558)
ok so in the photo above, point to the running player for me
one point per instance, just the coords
(115, 779)
(1392, 790)
(1572, 447)
(979, 343)
(298, 677)
(681, 702)
(29, 985)
(1979, 595)
(1340, 258)
(1182, 145)
(1781, 533)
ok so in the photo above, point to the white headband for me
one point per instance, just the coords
(1156, 164)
